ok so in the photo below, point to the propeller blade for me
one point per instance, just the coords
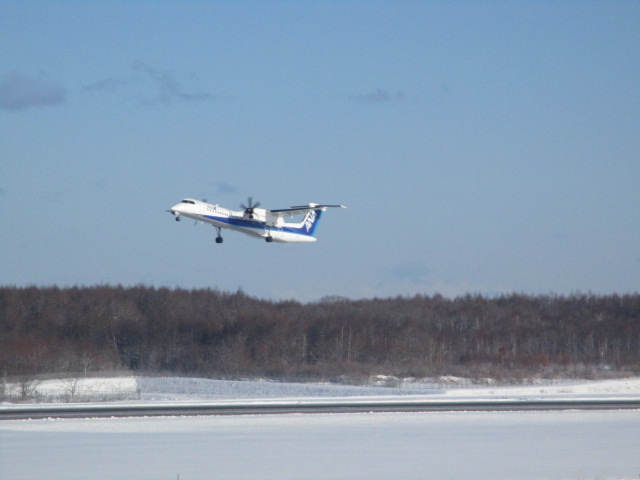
(248, 209)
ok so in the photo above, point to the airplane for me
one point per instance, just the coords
(256, 222)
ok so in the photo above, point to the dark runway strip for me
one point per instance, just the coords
(13, 412)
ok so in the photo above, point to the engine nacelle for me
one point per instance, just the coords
(258, 214)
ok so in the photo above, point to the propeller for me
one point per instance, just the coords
(248, 209)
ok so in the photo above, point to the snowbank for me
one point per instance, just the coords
(202, 389)
(74, 390)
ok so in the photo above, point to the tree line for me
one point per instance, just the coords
(213, 333)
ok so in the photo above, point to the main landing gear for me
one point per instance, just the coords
(219, 238)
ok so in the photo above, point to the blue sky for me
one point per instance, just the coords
(481, 147)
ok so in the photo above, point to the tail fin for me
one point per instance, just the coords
(310, 223)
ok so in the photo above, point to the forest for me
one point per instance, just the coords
(206, 332)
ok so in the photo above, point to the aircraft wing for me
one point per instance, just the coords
(296, 210)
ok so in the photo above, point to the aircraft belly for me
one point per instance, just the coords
(287, 237)
(252, 232)
(252, 229)
(212, 221)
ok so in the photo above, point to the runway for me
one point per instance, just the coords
(316, 406)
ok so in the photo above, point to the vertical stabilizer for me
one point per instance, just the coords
(309, 223)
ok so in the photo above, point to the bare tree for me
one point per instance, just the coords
(71, 386)
(28, 386)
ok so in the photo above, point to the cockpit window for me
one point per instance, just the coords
(188, 201)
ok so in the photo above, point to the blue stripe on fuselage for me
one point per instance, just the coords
(307, 229)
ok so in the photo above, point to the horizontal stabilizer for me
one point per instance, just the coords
(303, 209)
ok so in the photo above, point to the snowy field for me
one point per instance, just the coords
(442, 445)
(177, 389)
(476, 445)
(159, 389)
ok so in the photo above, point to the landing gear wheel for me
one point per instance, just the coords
(269, 239)
(219, 237)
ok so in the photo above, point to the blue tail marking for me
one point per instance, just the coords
(309, 223)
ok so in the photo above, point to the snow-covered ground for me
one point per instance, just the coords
(175, 388)
(444, 445)
(195, 389)
(576, 445)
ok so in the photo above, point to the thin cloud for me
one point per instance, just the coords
(226, 188)
(378, 96)
(20, 92)
(107, 85)
(154, 86)
(52, 197)
(168, 89)
(413, 273)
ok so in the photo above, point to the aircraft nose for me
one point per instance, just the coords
(175, 210)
